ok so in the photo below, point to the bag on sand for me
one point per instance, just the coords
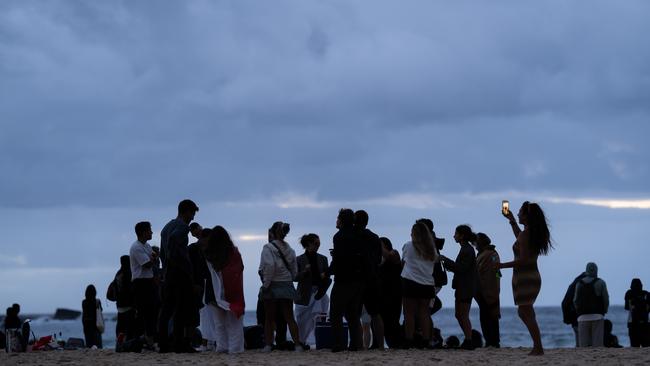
(253, 337)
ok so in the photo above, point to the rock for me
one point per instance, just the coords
(66, 314)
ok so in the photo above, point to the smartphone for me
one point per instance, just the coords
(505, 207)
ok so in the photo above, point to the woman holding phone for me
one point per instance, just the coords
(533, 241)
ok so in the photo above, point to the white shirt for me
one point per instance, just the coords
(140, 254)
(416, 268)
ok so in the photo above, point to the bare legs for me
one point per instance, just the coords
(527, 315)
(462, 315)
(416, 310)
(286, 306)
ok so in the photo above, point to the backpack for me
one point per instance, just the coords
(111, 293)
(639, 307)
(587, 300)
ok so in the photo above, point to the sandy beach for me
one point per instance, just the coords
(507, 356)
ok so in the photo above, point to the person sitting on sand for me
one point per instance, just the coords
(12, 320)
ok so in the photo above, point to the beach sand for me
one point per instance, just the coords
(505, 356)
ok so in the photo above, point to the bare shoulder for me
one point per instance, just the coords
(523, 237)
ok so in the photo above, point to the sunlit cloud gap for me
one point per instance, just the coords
(251, 237)
(642, 204)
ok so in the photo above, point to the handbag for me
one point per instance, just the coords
(100, 318)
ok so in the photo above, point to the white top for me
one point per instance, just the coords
(273, 268)
(217, 286)
(416, 268)
(139, 255)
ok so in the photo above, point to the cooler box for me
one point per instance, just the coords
(323, 333)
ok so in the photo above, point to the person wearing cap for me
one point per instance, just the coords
(591, 302)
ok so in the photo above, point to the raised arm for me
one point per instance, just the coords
(513, 223)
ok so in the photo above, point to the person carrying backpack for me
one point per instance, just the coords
(637, 302)
(591, 301)
(569, 315)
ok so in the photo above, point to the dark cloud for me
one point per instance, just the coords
(121, 103)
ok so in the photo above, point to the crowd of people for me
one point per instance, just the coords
(164, 294)
(585, 306)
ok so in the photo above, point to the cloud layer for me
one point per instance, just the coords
(116, 103)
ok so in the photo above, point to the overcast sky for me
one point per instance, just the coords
(111, 112)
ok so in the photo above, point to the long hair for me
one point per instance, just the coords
(540, 236)
(423, 241)
(91, 292)
(219, 248)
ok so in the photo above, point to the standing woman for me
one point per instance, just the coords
(533, 241)
(91, 307)
(419, 256)
(278, 269)
(312, 277)
(464, 281)
(391, 293)
(225, 303)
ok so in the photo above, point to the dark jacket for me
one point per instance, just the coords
(89, 314)
(124, 288)
(464, 269)
(305, 276)
(347, 256)
(489, 281)
(569, 314)
(372, 255)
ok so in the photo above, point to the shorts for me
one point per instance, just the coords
(414, 290)
(279, 291)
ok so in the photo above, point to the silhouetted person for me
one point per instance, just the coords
(488, 289)
(464, 281)
(178, 286)
(637, 302)
(278, 270)
(569, 310)
(312, 274)
(90, 306)
(390, 271)
(610, 340)
(372, 286)
(418, 256)
(226, 269)
(347, 291)
(125, 300)
(533, 241)
(200, 272)
(142, 259)
(591, 301)
(12, 319)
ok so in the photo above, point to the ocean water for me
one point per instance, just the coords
(555, 334)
